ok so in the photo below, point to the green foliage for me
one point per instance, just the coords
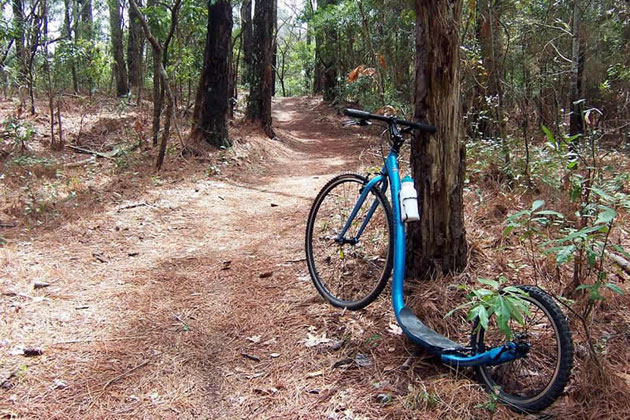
(91, 62)
(18, 133)
(503, 302)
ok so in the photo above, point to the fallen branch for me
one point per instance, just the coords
(79, 163)
(90, 152)
(134, 205)
(93, 340)
(107, 155)
(620, 261)
(111, 381)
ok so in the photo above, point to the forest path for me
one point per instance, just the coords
(192, 302)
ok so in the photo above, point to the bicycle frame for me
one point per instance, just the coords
(449, 354)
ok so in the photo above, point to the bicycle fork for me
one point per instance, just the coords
(341, 239)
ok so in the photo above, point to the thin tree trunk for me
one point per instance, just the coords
(213, 95)
(308, 71)
(438, 241)
(576, 125)
(493, 56)
(37, 20)
(135, 47)
(274, 47)
(157, 52)
(85, 31)
(51, 94)
(157, 97)
(67, 32)
(380, 81)
(18, 18)
(120, 69)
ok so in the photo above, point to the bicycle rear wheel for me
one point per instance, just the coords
(349, 275)
(534, 382)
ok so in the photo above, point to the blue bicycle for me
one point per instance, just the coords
(355, 237)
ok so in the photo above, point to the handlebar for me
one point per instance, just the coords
(362, 115)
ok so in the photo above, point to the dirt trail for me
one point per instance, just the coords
(192, 302)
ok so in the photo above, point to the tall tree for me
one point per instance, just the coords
(489, 33)
(120, 69)
(135, 48)
(438, 241)
(274, 47)
(212, 102)
(85, 31)
(260, 92)
(157, 88)
(66, 32)
(577, 68)
(247, 34)
(326, 59)
(18, 37)
(158, 50)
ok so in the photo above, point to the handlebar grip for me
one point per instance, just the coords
(355, 113)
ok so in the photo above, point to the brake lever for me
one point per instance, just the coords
(360, 123)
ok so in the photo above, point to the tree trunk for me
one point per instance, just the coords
(49, 82)
(87, 19)
(576, 125)
(33, 44)
(247, 40)
(66, 31)
(161, 71)
(438, 241)
(157, 97)
(259, 100)
(18, 37)
(135, 47)
(308, 71)
(120, 69)
(489, 37)
(274, 47)
(85, 31)
(326, 60)
(212, 102)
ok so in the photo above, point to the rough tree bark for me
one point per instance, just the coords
(247, 39)
(212, 102)
(438, 241)
(259, 99)
(120, 69)
(135, 47)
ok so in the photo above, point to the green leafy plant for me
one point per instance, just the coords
(18, 132)
(497, 299)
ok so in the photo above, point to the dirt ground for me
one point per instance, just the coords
(185, 295)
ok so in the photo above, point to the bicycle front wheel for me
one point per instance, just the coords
(531, 383)
(353, 273)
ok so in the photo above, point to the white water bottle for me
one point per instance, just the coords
(408, 201)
